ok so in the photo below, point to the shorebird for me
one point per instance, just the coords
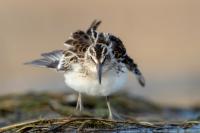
(93, 63)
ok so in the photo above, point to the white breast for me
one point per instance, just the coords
(111, 82)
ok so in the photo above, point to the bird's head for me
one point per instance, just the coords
(99, 55)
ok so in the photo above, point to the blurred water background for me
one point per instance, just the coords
(162, 37)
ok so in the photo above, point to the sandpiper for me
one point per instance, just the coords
(93, 63)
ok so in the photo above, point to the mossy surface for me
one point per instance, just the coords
(55, 112)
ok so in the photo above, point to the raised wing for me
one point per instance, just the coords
(59, 60)
(80, 40)
(134, 68)
(120, 54)
(78, 43)
(49, 60)
(67, 60)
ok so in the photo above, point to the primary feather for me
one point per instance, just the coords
(50, 60)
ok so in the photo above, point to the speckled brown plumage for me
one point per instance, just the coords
(78, 44)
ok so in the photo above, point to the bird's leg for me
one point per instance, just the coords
(79, 105)
(109, 108)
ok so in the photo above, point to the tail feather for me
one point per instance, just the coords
(50, 60)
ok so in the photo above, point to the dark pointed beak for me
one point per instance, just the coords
(99, 72)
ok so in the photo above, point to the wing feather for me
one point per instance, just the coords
(50, 60)
(131, 66)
